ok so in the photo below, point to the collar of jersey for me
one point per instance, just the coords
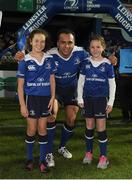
(98, 63)
(28, 57)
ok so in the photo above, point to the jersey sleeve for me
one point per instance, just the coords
(80, 87)
(53, 66)
(21, 69)
(84, 61)
(82, 69)
(111, 73)
(112, 90)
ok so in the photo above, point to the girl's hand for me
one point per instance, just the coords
(51, 103)
(24, 111)
(108, 109)
(51, 118)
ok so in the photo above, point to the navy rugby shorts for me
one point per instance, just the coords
(95, 107)
(67, 95)
(38, 106)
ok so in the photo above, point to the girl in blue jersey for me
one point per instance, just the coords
(96, 94)
(36, 80)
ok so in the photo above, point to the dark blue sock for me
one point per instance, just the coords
(89, 135)
(103, 143)
(29, 146)
(43, 147)
(66, 134)
(51, 134)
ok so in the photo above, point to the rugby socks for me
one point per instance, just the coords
(29, 146)
(51, 134)
(43, 147)
(66, 134)
(102, 138)
(89, 136)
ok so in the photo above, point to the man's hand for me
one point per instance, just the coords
(19, 56)
(113, 59)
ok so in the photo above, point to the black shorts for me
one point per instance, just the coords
(95, 107)
(37, 106)
(67, 95)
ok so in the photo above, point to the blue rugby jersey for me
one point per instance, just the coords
(96, 78)
(36, 74)
(68, 69)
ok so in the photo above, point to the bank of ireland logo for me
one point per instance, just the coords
(71, 4)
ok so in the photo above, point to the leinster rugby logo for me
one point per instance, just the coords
(31, 112)
(40, 79)
(77, 61)
(48, 66)
(71, 4)
(56, 63)
(102, 68)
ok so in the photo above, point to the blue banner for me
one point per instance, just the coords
(125, 61)
(51, 7)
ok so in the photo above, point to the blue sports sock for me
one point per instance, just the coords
(43, 147)
(89, 135)
(29, 146)
(51, 127)
(103, 141)
(66, 134)
(103, 148)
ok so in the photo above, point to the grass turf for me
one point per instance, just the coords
(12, 149)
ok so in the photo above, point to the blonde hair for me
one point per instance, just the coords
(98, 38)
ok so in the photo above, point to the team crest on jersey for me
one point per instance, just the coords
(102, 68)
(31, 67)
(56, 63)
(76, 61)
(48, 66)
